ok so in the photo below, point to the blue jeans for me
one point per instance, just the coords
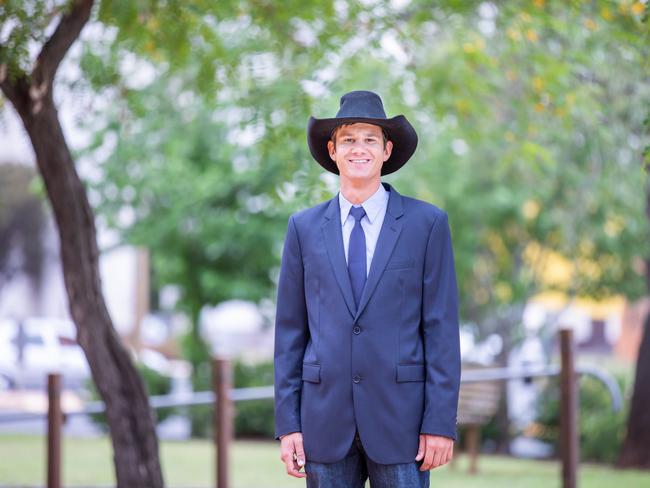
(353, 471)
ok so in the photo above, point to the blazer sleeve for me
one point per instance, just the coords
(291, 336)
(441, 333)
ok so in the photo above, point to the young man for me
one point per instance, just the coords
(367, 363)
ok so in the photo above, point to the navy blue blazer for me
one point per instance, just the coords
(389, 368)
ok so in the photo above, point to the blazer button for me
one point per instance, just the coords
(356, 329)
(356, 378)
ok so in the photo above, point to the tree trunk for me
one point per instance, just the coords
(636, 447)
(130, 418)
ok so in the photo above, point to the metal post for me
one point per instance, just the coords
(569, 447)
(223, 418)
(54, 422)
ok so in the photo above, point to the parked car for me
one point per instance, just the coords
(37, 346)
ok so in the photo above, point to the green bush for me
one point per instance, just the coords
(156, 383)
(253, 418)
(201, 416)
(601, 430)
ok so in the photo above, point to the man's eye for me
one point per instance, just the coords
(370, 140)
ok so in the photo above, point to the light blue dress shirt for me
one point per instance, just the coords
(375, 207)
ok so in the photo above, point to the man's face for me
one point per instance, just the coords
(359, 152)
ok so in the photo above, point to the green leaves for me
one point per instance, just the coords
(22, 22)
(530, 119)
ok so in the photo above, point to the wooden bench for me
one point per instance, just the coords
(477, 404)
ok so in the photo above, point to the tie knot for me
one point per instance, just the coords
(357, 213)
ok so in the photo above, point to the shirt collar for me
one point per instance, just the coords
(372, 205)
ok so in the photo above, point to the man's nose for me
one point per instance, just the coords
(358, 147)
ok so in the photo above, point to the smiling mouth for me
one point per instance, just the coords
(359, 161)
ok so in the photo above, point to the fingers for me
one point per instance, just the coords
(293, 454)
(427, 463)
(450, 453)
(294, 470)
(437, 456)
(438, 451)
(299, 450)
(421, 448)
(292, 467)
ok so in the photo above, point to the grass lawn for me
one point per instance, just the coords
(87, 462)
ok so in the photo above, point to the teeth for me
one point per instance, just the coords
(360, 160)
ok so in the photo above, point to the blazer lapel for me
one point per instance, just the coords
(333, 237)
(388, 235)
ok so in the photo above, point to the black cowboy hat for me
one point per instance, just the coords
(363, 107)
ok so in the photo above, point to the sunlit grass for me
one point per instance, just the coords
(87, 462)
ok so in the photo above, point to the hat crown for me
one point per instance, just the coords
(361, 104)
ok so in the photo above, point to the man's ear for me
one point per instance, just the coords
(332, 150)
(388, 150)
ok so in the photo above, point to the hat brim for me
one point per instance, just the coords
(398, 130)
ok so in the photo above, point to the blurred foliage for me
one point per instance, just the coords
(530, 117)
(530, 120)
(531, 130)
(534, 150)
(22, 24)
(22, 225)
(204, 206)
(253, 418)
(202, 416)
(156, 384)
(601, 430)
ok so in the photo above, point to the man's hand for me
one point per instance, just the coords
(293, 454)
(436, 450)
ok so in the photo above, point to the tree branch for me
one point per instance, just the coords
(16, 90)
(58, 44)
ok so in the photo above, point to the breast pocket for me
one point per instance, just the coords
(400, 264)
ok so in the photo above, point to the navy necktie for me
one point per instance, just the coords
(357, 254)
